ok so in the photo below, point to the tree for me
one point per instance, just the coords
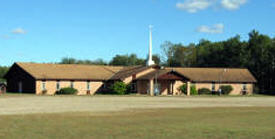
(257, 54)
(83, 62)
(127, 60)
(68, 61)
(3, 71)
(119, 88)
(156, 59)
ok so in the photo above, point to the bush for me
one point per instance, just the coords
(204, 91)
(128, 89)
(226, 89)
(44, 92)
(67, 91)
(183, 89)
(119, 88)
(193, 90)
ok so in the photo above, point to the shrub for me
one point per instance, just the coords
(193, 90)
(226, 89)
(128, 89)
(119, 88)
(44, 92)
(183, 89)
(67, 91)
(204, 91)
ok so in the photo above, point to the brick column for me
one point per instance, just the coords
(188, 88)
(171, 88)
(151, 87)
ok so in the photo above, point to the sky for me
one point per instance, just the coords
(48, 30)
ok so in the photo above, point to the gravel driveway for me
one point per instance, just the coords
(54, 104)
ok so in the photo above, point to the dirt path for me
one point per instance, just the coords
(55, 104)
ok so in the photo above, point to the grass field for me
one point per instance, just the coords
(242, 122)
(30, 116)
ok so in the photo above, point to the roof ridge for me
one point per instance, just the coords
(69, 64)
(109, 70)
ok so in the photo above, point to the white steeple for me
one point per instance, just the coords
(150, 60)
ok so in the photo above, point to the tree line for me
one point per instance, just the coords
(118, 60)
(257, 54)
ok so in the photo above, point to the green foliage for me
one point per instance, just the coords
(193, 90)
(204, 91)
(129, 89)
(156, 59)
(3, 71)
(257, 54)
(201, 123)
(226, 89)
(67, 91)
(84, 62)
(127, 60)
(183, 88)
(119, 88)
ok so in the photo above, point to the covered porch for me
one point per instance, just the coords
(162, 83)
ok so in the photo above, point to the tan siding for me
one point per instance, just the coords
(145, 72)
(165, 87)
(176, 86)
(130, 79)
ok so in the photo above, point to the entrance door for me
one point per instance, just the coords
(20, 87)
(157, 89)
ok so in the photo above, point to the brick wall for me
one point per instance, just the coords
(81, 86)
(237, 88)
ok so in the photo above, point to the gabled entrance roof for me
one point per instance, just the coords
(163, 74)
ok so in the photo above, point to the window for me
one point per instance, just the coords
(213, 87)
(244, 87)
(43, 87)
(58, 85)
(88, 86)
(72, 84)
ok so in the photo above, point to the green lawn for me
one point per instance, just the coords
(159, 123)
(9, 94)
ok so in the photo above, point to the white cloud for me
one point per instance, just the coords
(232, 4)
(192, 6)
(215, 29)
(19, 31)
